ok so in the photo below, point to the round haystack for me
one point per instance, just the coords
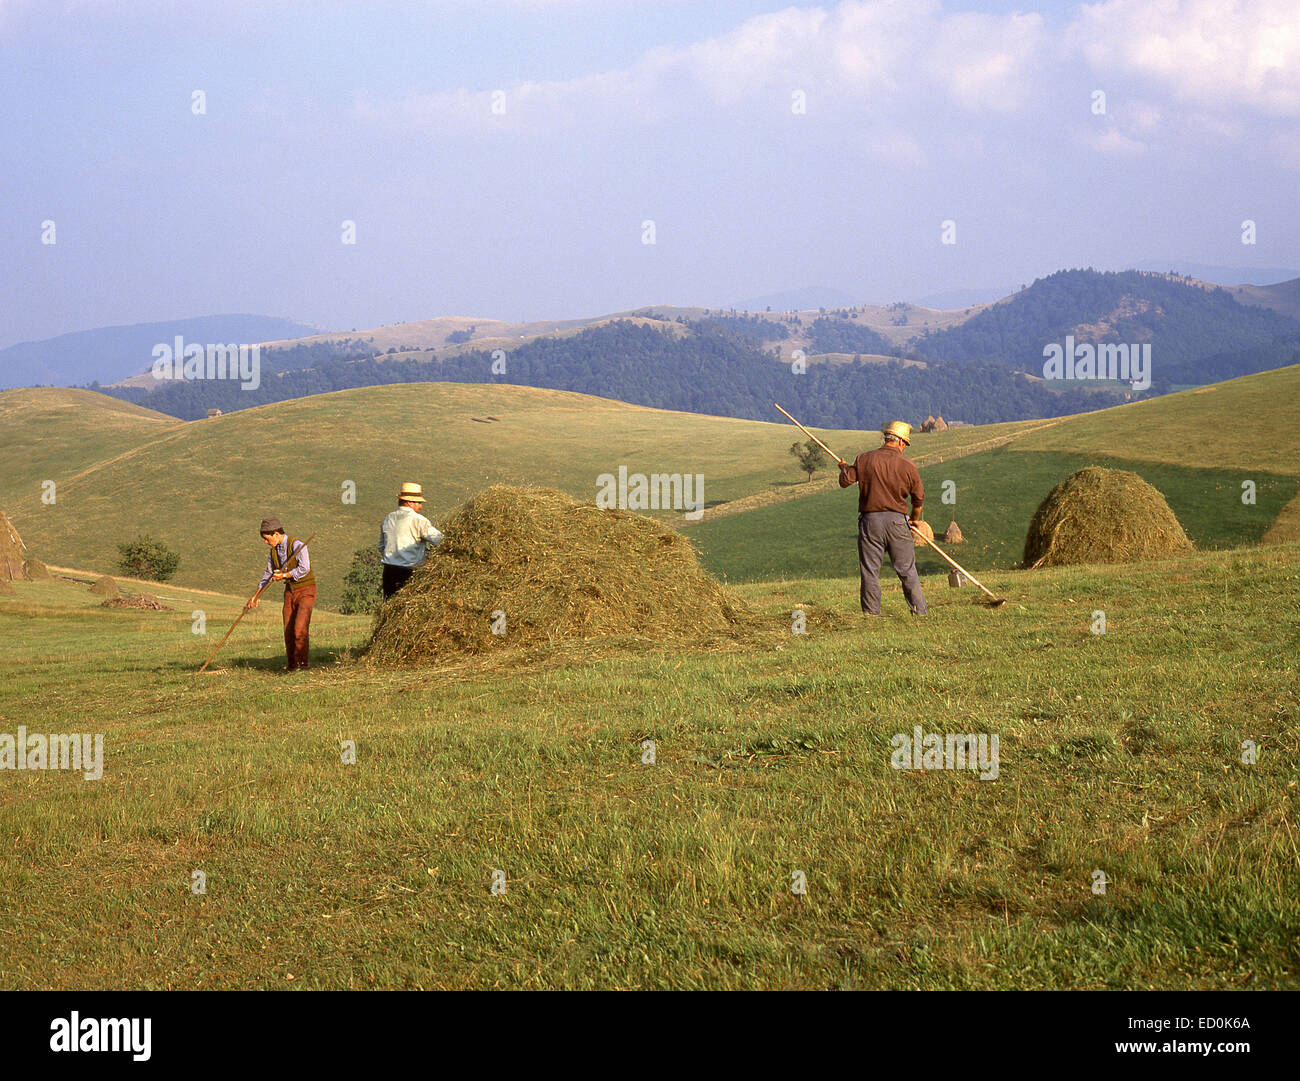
(540, 567)
(104, 587)
(36, 571)
(12, 551)
(1103, 516)
(925, 529)
(952, 535)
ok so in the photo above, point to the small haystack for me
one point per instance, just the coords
(12, 552)
(952, 535)
(146, 601)
(36, 571)
(104, 587)
(540, 567)
(1103, 516)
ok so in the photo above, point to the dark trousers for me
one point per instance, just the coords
(395, 578)
(298, 604)
(882, 531)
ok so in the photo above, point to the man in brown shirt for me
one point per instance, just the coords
(886, 479)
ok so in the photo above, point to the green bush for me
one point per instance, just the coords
(147, 558)
(363, 584)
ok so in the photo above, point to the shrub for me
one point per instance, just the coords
(147, 558)
(363, 584)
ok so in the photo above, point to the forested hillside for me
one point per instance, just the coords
(1185, 324)
(712, 370)
(737, 363)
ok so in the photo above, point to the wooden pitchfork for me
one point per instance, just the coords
(288, 566)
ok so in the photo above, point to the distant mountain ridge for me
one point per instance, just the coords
(841, 367)
(109, 354)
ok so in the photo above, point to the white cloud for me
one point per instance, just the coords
(1113, 141)
(1215, 54)
(862, 53)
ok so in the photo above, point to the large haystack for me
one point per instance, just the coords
(1103, 516)
(925, 529)
(543, 568)
(12, 552)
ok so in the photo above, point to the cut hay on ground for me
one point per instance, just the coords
(552, 570)
(1103, 516)
(104, 587)
(138, 600)
(952, 535)
(36, 571)
(12, 551)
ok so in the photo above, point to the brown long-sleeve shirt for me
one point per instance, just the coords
(885, 478)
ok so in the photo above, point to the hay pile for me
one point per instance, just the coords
(1103, 516)
(104, 587)
(925, 529)
(36, 571)
(952, 535)
(12, 551)
(7, 588)
(558, 570)
(146, 601)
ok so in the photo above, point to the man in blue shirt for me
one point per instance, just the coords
(404, 538)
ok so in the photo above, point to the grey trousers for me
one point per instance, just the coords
(877, 532)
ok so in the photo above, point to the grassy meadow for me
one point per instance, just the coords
(1120, 752)
(1125, 752)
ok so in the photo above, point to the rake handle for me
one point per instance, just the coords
(248, 607)
(956, 566)
(812, 437)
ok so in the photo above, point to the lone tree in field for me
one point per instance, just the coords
(147, 558)
(811, 457)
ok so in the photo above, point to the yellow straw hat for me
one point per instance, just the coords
(898, 428)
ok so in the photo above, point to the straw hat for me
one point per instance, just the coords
(898, 428)
(411, 493)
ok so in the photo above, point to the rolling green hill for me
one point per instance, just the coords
(201, 487)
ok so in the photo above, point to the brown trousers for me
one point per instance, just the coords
(298, 604)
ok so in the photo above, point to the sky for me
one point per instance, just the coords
(549, 159)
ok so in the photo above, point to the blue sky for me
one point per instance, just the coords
(617, 112)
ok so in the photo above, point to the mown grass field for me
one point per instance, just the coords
(1120, 752)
